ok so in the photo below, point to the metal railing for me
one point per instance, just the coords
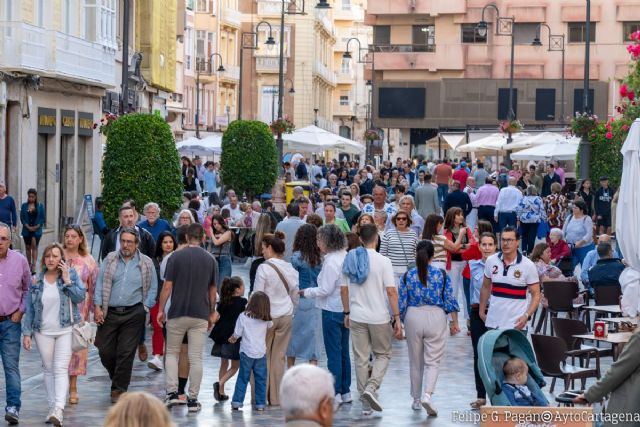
(405, 48)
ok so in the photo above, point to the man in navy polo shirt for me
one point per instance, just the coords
(508, 275)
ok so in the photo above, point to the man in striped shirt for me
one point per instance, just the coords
(508, 275)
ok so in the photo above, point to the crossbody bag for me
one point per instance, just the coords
(283, 280)
(410, 264)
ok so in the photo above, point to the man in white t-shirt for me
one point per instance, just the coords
(367, 317)
(507, 277)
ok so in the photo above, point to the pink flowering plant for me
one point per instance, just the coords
(283, 125)
(105, 123)
(511, 126)
(371, 135)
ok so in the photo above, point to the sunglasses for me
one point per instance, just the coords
(402, 218)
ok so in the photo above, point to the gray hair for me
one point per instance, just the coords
(512, 180)
(532, 190)
(556, 231)
(332, 237)
(6, 226)
(302, 389)
(187, 211)
(407, 197)
(151, 205)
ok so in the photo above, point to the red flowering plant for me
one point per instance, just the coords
(105, 123)
(371, 135)
(282, 125)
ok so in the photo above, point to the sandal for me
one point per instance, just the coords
(73, 397)
(476, 404)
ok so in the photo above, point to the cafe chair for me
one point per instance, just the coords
(567, 328)
(551, 354)
(560, 296)
(607, 294)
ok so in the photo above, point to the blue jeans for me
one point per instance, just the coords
(466, 287)
(506, 218)
(259, 369)
(336, 343)
(10, 354)
(443, 190)
(224, 268)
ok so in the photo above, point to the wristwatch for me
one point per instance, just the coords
(346, 313)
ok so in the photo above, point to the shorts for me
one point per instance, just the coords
(28, 235)
(226, 350)
(185, 340)
(604, 221)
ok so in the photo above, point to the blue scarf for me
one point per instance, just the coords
(356, 265)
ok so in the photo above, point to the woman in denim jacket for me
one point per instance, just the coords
(48, 318)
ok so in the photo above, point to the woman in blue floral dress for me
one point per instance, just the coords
(530, 213)
(306, 318)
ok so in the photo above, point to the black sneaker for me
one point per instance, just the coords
(172, 399)
(193, 405)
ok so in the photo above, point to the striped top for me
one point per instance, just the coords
(400, 248)
(439, 252)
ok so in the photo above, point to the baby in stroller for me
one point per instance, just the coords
(514, 386)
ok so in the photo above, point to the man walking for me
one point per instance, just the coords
(507, 204)
(549, 179)
(470, 190)
(154, 224)
(15, 276)
(126, 289)
(427, 201)
(508, 275)
(7, 209)
(290, 227)
(367, 317)
(190, 281)
(486, 198)
(127, 219)
(443, 174)
(457, 198)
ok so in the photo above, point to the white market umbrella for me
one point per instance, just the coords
(208, 146)
(557, 151)
(314, 139)
(628, 221)
(540, 139)
(493, 142)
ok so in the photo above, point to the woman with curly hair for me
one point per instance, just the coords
(363, 219)
(304, 332)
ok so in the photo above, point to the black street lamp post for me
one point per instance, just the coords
(556, 44)
(504, 27)
(585, 147)
(201, 65)
(346, 56)
(249, 40)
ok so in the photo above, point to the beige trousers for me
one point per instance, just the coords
(196, 330)
(426, 333)
(366, 339)
(277, 342)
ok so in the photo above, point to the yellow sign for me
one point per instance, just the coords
(85, 124)
(68, 121)
(47, 120)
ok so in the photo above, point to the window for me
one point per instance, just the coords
(268, 103)
(629, 28)
(202, 6)
(470, 34)
(503, 103)
(578, 100)
(524, 33)
(69, 17)
(344, 100)
(90, 26)
(545, 104)
(188, 48)
(201, 45)
(578, 32)
(424, 38)
(345, 131)
(382, 34)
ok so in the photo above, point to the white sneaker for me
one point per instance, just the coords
(56, 417)
(428, 406)
(337, 401)
(155, 363)
(370, 397)
(346, 398)
(416, 405)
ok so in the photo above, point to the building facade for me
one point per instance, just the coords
(433, 70)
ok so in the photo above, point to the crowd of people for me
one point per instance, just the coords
(415, 251)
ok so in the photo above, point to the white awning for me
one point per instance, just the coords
(454, 139)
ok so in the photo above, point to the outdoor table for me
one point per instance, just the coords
(612, 309)
(616, 339)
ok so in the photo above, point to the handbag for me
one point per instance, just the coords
(410, 264)
(284, 281)
(82, 334)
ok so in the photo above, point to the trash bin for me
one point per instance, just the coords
(306, 187)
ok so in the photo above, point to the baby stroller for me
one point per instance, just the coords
(496, 347)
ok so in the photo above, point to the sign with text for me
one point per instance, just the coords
(47, 121)
(68, 125)
(85, 124)
(538, 416)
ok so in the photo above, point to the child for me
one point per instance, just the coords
(231, 305)
(514, 386)
(252, 326)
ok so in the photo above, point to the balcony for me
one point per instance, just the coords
(345, 77)
(269, 64)
(231, 73)
(349, 12)
(270, 8)
(343, 110)
(327, 125)
(420, 57)
(416, 7)
(325, 73)
(323, 22)
(28, 48)
(231, 17)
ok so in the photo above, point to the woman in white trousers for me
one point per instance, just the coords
(51, 310)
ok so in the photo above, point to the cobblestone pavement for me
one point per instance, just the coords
(454, 392)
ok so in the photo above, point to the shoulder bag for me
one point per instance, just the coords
(82, 334)
(410, 264)
(284, 281)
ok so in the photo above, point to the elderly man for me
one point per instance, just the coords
(379, 202)
(15, 276)
(592, 258)
(457, 198)
(507, 205)
(470, 189)
(126, 289)
(607, 270)
(235, 214)
(307, 397)
(154, 224)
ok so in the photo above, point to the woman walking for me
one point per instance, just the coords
(399, 244)
(425, 298)
(306, 260)
(78, 257)
(50, 311)
(555, 204)
(222, 239)
(531, 213)
(585, 192)
(279, 281)
(578, 232)
(32, 216)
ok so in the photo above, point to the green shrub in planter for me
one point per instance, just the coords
(141, 163)
(249, 160)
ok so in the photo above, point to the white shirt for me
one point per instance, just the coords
(368, 301)
(327, 293)
(254, 335)
(508, 199)
(268, 281)
(235, 214)
(51, 311)
(509, 286)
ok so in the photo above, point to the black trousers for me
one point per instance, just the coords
(477, 330)
(117, 340)
(486, 212)
(529, 233)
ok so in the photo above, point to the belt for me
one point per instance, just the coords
(486, 206)
(476, 306)
(3, 318)
(123, 309)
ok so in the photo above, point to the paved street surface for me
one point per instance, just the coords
(454, 392)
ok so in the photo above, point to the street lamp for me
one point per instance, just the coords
(249, 40)
(346, 58)
(504, 27)
(292, 90)
(556, 44)
(585, 147)
(202, 65)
